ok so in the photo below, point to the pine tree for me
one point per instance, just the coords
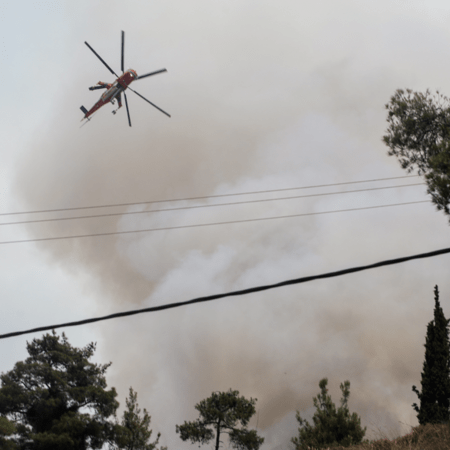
(419, 136)
(331, 427)
(134, 432)
(221, 413)
(57, 399)
(435, 396)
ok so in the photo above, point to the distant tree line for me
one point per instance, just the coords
(57, 399)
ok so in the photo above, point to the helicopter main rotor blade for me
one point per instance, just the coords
(99, 57)
(151, 73)
(123, 45)
(128, 111)
(157, 107)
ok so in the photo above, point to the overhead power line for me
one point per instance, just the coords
(202, 197)
(57, 219)
(112, 233)
(231, 294)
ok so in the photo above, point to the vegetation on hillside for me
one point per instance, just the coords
(57, 399)
(422, 437)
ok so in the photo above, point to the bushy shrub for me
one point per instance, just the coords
(332, 427)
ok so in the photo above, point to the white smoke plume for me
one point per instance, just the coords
(262, 96)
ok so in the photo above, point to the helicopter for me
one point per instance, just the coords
(114, 90)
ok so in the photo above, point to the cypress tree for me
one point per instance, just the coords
(435, 396)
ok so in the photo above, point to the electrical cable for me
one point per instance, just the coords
(200, 198)
(206, 206)
(207, 224)
(230, 294)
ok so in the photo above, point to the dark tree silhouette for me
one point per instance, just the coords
(435, 395)
(134, 431)
(221, 413)
(57, 398)
(418, 135)
(331, 427)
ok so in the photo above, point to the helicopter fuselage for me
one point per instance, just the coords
(113, 90)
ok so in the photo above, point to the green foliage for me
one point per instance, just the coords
(438, 179)
(418, 135)
(331, 427)
(134, 432)
(245, 439)
(7, 428)
(57, 398)
(221, 412)
(435, 395)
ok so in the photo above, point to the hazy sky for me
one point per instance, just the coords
(263, 95)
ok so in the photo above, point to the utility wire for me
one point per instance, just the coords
(206, 206)
(206, 224)
(232, 293)
(200, 198)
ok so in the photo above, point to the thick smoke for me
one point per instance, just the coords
(261, 97)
